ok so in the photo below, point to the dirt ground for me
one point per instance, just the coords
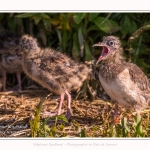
(17, 108)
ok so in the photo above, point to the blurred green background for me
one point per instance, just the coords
(75, 33)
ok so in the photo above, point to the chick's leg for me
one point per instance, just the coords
(69, 113)
(59, 107)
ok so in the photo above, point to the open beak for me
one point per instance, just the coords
(105, 51)
(98, 44)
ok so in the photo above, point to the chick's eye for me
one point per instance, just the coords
(111, 43)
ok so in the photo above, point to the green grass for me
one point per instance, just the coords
(58, 126)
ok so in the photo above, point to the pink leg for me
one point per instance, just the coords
(60, 103)
(59, 108)
(116, 111)
(19, 81)
(68, 115)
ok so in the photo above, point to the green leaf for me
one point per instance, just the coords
(133, 26)
(12, 24)
(25, 15)
(80, 37)
(92, 16)
(46, 22)
(125, 24)
(92, 28)
(138, 125)
(76, 46)
(45, 16)
(125, 127)
(40, 16)
(87, 52)
(83, 133)
(60, 117)
(108, 15)
(78, 17)
(36, 19)
(61, 127)
(108, 26)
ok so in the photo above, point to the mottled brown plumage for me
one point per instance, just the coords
(10, 61)
(124, 82)
(53, 70)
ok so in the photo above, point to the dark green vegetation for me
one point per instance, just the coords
(74, 34)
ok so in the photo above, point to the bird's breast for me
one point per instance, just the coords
(123, 90)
